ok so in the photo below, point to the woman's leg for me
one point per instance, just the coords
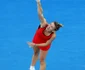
(34, 58)
(42, 59)
(35, 55)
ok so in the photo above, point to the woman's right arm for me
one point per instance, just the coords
(40, 14)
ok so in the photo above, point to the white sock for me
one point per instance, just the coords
(32, 67)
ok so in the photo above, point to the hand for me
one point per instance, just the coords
(37, 0)
(31, 44)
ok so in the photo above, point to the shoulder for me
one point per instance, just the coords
(43, 25)
(54, 35)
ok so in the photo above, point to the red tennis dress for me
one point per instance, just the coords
(40, 37)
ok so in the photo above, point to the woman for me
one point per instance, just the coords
(43, 38)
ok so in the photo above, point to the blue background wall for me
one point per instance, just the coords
(19, 21)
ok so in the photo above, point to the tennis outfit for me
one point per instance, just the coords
(40, 37)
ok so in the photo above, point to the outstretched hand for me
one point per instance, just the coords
(37, 0)
(31, 44)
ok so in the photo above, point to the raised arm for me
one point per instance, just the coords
(40, 13)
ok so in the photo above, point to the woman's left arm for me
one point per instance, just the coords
(48, 42)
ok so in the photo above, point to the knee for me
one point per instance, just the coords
(42, 60)
(36, 53)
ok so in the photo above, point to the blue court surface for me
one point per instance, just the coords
(19, 21)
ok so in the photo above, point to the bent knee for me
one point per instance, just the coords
(42, 59)
(36, 53)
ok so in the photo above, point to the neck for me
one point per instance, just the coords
(48, 31)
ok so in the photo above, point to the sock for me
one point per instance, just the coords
(32, 67)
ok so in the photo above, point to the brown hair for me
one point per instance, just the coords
(57, 25)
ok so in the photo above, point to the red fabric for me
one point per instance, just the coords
(39, 37)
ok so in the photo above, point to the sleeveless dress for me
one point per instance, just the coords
(40, 37)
